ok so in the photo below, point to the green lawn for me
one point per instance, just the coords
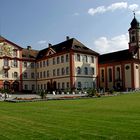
(107, 118)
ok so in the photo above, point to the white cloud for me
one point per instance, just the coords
(100, 9)
(105, 45)
(42, 42)
(112, 7)
(133, 7)
(119, 5)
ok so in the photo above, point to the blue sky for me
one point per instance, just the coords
(100, 25)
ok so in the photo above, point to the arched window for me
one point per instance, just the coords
(118, 73)
(78, 70)
(110, 74)
(102, 75)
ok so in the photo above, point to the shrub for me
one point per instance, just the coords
(91, 92)
(111, 91)
(42, 94)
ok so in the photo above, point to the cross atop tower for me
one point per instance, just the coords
(134, 13)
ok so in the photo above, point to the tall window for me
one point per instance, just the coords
(32, 75)
(15, 63)
(110, 74)
(92, 59)
(92, 71)
(48, 74)
(86, 71)
(54, 72)
(78, 57)
(67, 58)
(44, 74)
(25, 75)
(53, 61)
(32, 64)
(63, 85)
(67, 70)
(15, 75)
(118, 73)
(33, 87)
(58, 60)
(40, 74)
(85, 58)
(6, 62)
(62, 71)
(26, 87)
(68, 84)
(62, 59)
(133, 39)
(102, 75)
(43, 63)
(79, 85)
(58, 85)
(78, 70)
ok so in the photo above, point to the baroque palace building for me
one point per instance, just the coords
(70, 65)
(67, 65)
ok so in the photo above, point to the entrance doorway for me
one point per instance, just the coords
(6, 85)
(16, 86)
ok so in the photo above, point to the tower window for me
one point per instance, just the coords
(133, 39)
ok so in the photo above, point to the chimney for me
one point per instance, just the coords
(67, 37)
(49, 45)
(29, 47)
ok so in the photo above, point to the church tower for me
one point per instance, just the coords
(134, 38)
